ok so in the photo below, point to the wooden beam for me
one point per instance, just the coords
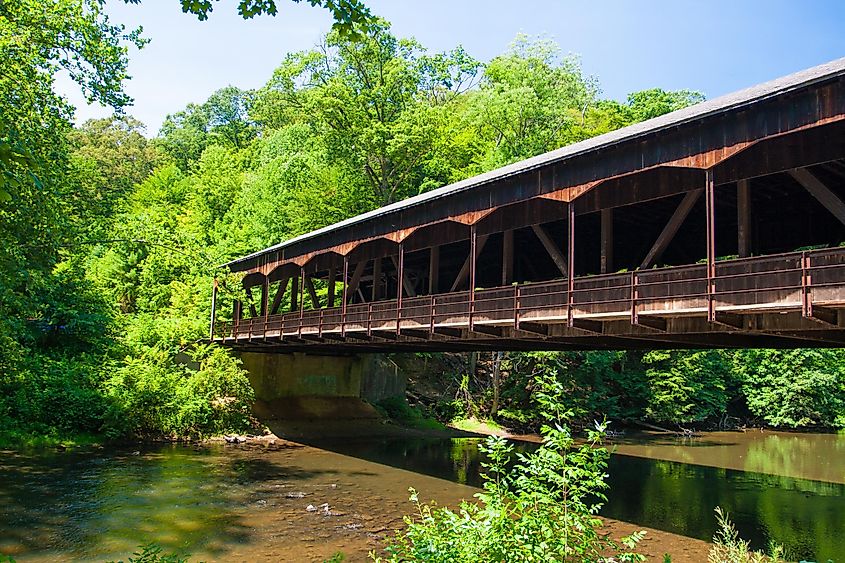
(280, 294)
(294, 297)
(554, 252)
(464, 271)
(606, 240)
(588, 325)
(309, 283)
(743, 218)
(376, 293)
(433, 270)
(671, 228)
(332, 281)
(252, 311)
(265, 296)
(534, 328)
(821, 192)
(656, 323)
(507, 257)
(825, 316)
(409, 287)
(448, 331)
(488, 330)
(356, 277)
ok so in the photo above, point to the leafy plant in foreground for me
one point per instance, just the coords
(539, 506)
(728, 547)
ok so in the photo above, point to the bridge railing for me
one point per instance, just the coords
(795, 280)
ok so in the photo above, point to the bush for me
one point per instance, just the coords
(537, 506)
(728, 547)
(541, 507)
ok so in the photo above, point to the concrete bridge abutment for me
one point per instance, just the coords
(306, 394)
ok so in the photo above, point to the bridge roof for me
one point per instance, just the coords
(720, 105)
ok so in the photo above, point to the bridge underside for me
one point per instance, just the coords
(724, 232)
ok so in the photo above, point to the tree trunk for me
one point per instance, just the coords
(497, 367)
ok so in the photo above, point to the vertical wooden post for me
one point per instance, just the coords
(301, 291)
(570, 264)
(265, 297)
(375, 295)
(265, 304)
(213, 308)
(709, 190)
(301, 300)
(473, 245)
(332, 276)
(294, 293)
(433, 270)
(400, 286)
(343, 298)
(606, 240)
(507, 257)
(743, 218)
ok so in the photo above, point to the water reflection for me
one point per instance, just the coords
(251, 504)
(806, 516)
(82, 506)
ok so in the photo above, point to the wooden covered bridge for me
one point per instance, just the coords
(720, 225)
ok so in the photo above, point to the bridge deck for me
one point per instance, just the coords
(766, 298)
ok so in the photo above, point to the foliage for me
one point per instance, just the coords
(349, 15)
(794, 388)
(686, 386)
(539, 506)
(153, 553)
(379, 103)
(728, 547)
(398, 410)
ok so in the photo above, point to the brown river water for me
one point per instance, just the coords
(250, 502)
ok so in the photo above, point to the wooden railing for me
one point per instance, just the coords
(791, 281)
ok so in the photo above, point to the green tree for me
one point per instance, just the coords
(794, 388)
(531, 100)
(686, 386)
(37, 41)
(378, 102)
(221, 120)
(109, 156)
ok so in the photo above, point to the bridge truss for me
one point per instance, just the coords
(717, 226)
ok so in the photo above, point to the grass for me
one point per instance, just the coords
(479, 426)
(14, 439)
(397, 410)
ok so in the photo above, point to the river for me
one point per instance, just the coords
(250, 502)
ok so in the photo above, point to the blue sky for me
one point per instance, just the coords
(714, 46)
